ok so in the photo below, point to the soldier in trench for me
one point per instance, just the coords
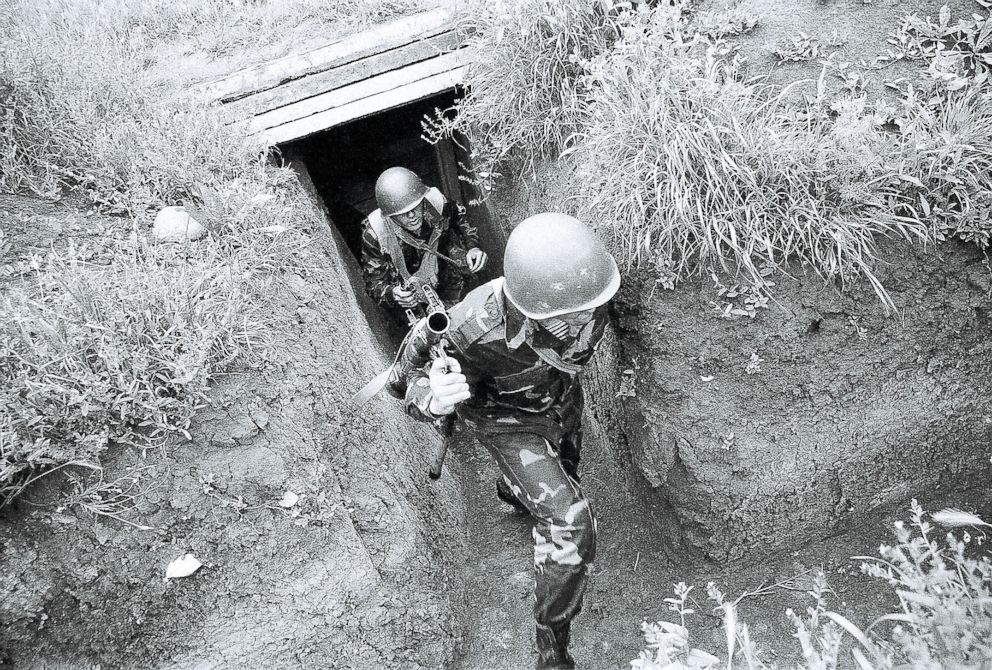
(416, 235)
(516, 346)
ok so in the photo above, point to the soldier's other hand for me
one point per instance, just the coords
(448, 386)
(476, 259)
(403, 297)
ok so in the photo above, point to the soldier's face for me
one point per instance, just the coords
(411, 220)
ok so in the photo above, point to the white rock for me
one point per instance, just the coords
(182, 567)
(289, 499)
(174, 224)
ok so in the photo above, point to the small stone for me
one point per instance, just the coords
(174, 224)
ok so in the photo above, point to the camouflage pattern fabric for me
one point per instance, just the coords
(528, 415)
(564, 527)
(381, 275)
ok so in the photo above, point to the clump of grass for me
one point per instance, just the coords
(120, 349)
(528, 74)
(946, 153)
(691, 165)
(80, 113)
(944, 589)
(945, 125)
(94, 355)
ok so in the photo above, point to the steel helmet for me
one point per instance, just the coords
(398, 190)
(554, 264)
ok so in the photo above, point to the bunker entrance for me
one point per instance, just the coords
(344, 162)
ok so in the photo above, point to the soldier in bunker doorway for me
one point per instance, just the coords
(516, 346)
(416, 236)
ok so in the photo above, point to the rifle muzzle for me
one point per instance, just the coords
(437, 322)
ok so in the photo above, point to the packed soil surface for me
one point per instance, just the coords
(641, 555)
(797, 418)
(375, 566)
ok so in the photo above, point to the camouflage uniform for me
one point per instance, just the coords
(526, 409)
(455, 236)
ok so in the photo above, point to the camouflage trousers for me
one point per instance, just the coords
(564, 529)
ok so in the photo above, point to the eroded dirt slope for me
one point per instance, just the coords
(768, 429)
(356, 574)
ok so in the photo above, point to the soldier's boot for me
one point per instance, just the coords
(552, 648)
(504, 493)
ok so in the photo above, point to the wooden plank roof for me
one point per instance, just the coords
(392, 64)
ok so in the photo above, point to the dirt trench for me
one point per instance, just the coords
(358, 574)
(376, 566)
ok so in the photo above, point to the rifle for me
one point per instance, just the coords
(437, 327)
(437, 315)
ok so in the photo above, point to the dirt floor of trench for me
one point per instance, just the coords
(640, 558)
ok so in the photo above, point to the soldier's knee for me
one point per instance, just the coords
(569, 538)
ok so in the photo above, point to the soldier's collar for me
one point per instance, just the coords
(520, 329)
(516, 325)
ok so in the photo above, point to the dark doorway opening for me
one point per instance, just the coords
(344, 163)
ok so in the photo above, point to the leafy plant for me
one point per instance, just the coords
(965, 46)
(692, 165)
(944, 590)
(528, 79)
(799, 47)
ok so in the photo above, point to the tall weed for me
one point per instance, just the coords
(528, 72)
(944, 590)
(690, 164)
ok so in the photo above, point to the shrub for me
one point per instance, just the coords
(527, 75)
(944, 620)
(689, 164)
(94, 354)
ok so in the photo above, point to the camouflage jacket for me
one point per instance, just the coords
(516, 384)
(381, 275)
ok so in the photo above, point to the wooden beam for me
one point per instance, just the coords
(381, 38)
(357, 109)
(338, 77)
(358, 91)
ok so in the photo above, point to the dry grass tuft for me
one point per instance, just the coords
(691, 165)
